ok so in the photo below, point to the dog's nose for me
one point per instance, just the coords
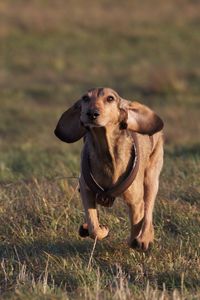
(93, 113)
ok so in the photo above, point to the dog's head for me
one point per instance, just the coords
(101, 107)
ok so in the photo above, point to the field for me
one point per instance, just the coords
(51, 52)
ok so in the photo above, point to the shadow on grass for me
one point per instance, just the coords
(60, 248)
(75, 275)
(70, 274)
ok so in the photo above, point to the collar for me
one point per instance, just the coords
(106, 197)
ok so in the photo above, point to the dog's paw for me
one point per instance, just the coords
(100, 233)
(144, 240)
(83, 230)
(140, 245)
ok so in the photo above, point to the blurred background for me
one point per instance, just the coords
(51, 52)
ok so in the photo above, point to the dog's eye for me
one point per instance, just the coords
(110, 98)
(86, 98)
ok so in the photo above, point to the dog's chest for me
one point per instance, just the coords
(102, 169)
(107, 168)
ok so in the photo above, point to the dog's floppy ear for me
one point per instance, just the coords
(141, 118)
(123, 118)
(69, 128)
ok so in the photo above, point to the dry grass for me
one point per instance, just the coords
(51, 52)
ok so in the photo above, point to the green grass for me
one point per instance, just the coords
(51, 52)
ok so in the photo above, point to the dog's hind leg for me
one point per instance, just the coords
(92, 227)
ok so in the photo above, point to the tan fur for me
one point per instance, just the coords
(110, 156)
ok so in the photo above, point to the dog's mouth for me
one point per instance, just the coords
(91, 123)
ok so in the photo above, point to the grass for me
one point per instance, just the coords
(51, 52)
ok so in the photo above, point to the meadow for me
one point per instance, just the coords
(51, 52)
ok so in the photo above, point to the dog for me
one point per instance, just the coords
(122, 157)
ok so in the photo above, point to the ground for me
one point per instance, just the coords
(51, 52)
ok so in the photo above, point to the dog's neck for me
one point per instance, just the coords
(110, 152)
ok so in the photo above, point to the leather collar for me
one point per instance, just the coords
(106, 197)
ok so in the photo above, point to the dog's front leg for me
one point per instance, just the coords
(92, 227)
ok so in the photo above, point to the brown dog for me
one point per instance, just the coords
(122, 157)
